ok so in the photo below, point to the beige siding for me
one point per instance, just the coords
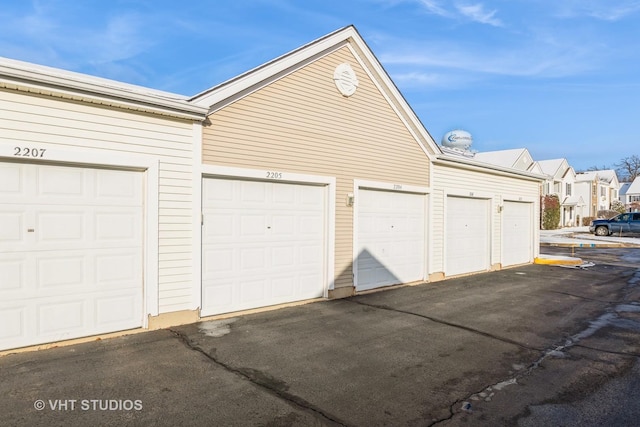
(301, 123)
(31, 120)
(460, 181)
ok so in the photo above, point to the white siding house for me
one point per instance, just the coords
(598, 189)
(96, 196)
(632, 195)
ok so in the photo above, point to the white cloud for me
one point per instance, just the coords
(473, 12)
(121, 37)
(477, 13)
(606, 11)
(531, 60)
(433, 6)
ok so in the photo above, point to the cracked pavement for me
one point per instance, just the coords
(533, 345)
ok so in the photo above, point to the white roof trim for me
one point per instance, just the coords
(488, 167)
(46, 80)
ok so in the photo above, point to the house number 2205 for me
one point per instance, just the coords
(274, 175)
(28, 152)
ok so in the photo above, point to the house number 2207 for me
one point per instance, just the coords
(28, 152)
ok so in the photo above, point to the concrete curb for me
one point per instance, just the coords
(557, 260)
(589, 245)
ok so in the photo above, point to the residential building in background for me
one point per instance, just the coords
(561, 181)
(630, 195)
(598, 189)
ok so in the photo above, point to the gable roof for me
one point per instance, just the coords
(535, 168)
(587, 176)
(608, 176)
(634, 188)
(623, 188)
(33, 78)
(506, 158)
(551, 167)
(238, 87)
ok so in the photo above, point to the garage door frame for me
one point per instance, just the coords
(277, 176)
(519, 199)
(479, 195)
(53, 155)
(359, 184)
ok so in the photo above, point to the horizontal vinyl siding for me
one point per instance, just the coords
(460, 181)
(32, 120)
(301, 123)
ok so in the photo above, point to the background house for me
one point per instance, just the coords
(632, 195)
(561, 181)
(597, 189)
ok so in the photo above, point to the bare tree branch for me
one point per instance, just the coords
(628, 168)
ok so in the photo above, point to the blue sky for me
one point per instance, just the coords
(558, 77)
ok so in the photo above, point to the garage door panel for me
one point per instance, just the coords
(124, 227)
(113, 311)
(258, 241)
(12, 272)
(59, 182)
(60, 316)
(62, 271)
(12, 178)
(64, 257)
(117, 188)
(12, 229)
(119, 269)
(12, 320)
(391, 238)
(60, 225)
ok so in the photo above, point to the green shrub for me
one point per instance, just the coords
(550, 212)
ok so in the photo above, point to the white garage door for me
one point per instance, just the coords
(70, 252)
(390, 238)
(263, 243)
(517, 236)
(467, 238)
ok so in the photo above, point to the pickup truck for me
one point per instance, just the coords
(624, 223)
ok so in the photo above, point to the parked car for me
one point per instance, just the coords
(624, 223)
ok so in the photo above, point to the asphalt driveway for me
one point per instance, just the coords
(489, 349)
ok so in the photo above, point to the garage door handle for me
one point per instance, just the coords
(30, 230)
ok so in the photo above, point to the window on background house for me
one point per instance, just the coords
(568, 189)
(556, 187)
(603, 191)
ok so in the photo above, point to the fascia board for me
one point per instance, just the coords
(266, 73)
(401, 102)
(485, 167)
(34, 78)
